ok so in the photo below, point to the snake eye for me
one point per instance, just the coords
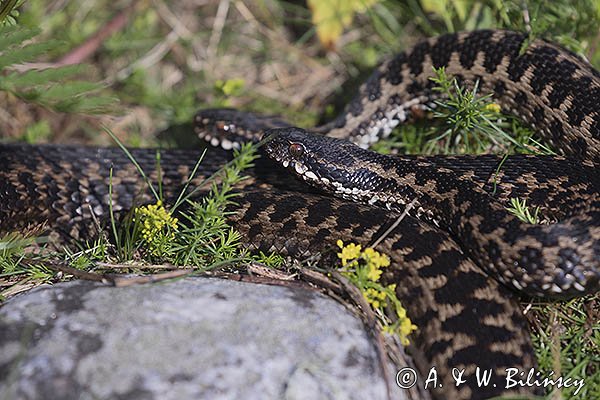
(296, 150)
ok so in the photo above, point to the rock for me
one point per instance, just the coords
(195, 338)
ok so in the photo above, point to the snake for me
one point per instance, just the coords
(557, 259)
(461, 263)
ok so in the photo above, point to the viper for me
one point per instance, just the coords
(453, 259)
(557, 259)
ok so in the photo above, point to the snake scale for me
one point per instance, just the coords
(466, 317)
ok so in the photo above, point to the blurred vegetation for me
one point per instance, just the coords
(55, 88)
(172, 57)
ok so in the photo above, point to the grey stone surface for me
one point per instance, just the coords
(195, 338)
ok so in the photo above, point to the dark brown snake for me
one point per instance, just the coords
(466, 318)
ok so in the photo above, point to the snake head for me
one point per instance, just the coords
(229, 128)
(334, 165)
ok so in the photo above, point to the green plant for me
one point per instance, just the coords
(463, 121)
(9, 11)
(204, 238)
(567, 343)
(53, 87)
(20, 263)
(12, 251)
(521, 210)
(471, 121)
(363, 268)
(563, 21)
(200, 236)
(88, 253)
(271, 260)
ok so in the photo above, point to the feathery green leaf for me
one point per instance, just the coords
(14, 35)
(56, 88)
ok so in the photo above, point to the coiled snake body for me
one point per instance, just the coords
(466, 319)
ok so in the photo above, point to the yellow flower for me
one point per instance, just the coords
(156, 224)
(364, 269)
(369, 252)
(374, 273)
(493, 107)
(406, 328)
(349, 252)
(375, 261)
(375, 258)
(374, 297)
